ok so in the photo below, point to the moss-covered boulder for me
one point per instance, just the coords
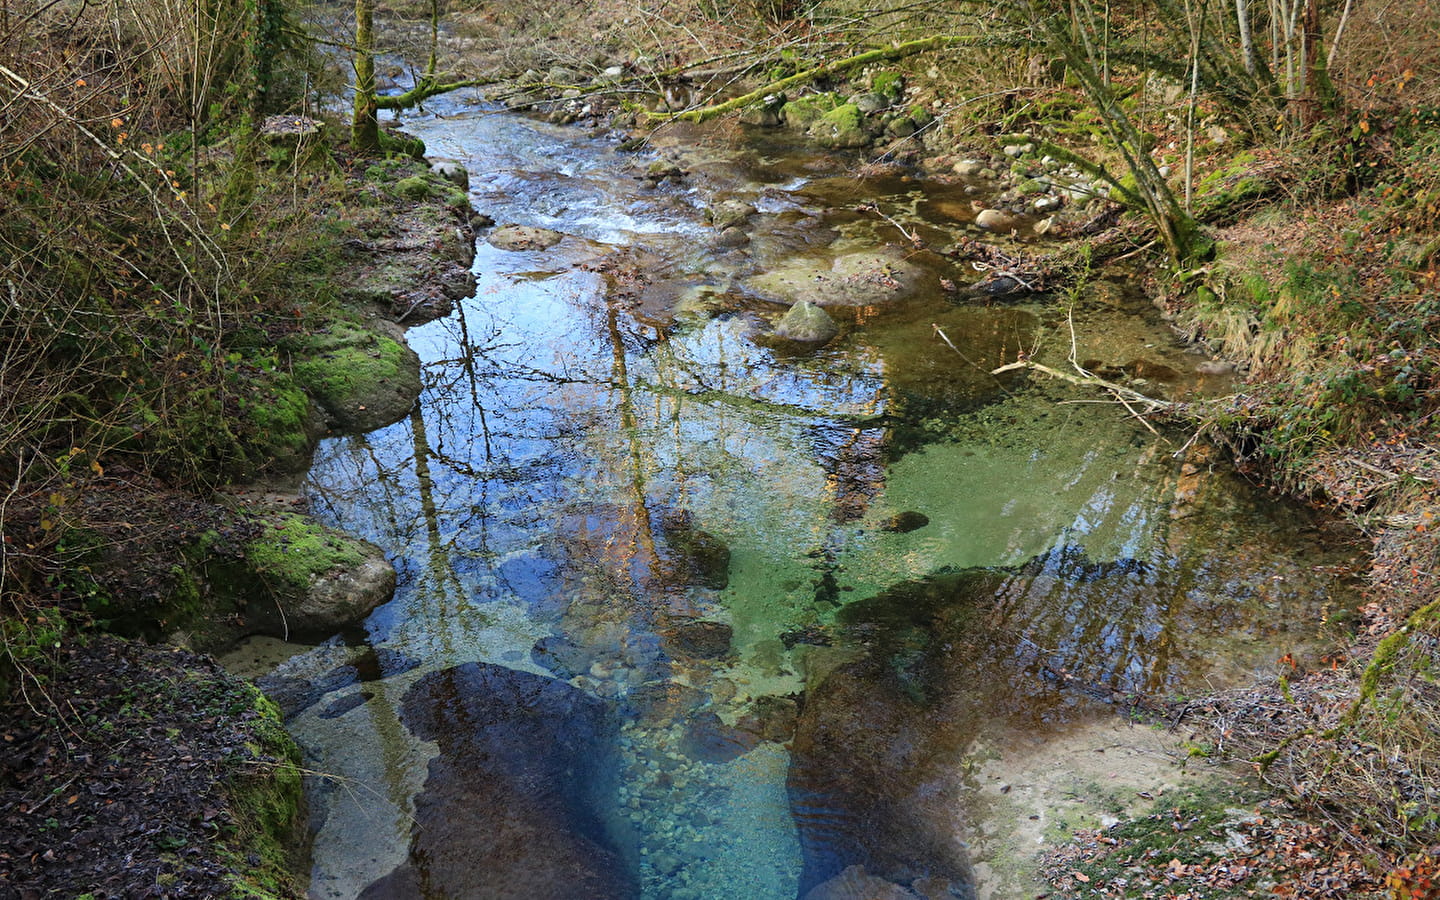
(800, 113)
(282, 424)
(807, 323)
(362, 379)
(844, 127)
(316, 580)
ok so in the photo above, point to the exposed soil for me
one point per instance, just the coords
(119, 771)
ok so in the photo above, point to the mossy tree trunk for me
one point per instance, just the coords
(365, 124)
(365, 135)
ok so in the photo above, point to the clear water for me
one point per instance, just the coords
(573, 433)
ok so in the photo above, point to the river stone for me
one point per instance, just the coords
(663, 701)
(710, 740)
(730, 213)
(730, 238)
(855, 884)
(701, 639)
(341, 598)
(867, 278)
(905, 522)
(696, 556)
(866, 780)
(452, 172)
(807, 323)
(510, 805)
(524, 237)
(562, 656)
(996, 220)
(870, 103)
(771, 718)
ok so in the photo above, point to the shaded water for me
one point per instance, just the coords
(685, 612)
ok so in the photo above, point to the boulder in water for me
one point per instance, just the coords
(452, 172)
(855, 884)
(509, 808)
(807, 323)
(524, 237)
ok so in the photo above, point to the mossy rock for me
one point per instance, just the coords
(417, 187)
(841, 128)
(363, 380)
(891, 84)
(1228, 191)
(280, 424)
(318, 580)
(267, 841)
(802, 112)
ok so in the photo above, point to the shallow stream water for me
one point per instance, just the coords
(686, 611)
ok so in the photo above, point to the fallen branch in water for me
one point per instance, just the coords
(1126, 396)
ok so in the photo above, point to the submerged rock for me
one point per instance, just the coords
(851, 279)
(696, 556)
(905, 522)
(510, 805)
(523, 237)
(700, 639)
(730, 214)
(996, 220)
(869, 785)
(855, 884)
(807, 323)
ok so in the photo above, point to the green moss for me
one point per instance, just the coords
(1186, 827)
(416, 187)
(891, 84)
(802, 112)
(275, 424)
(843, 117)
(1233, 187)
(402, 145)
(841, 127)
(292, 549)
(265, 845)
(344, 365)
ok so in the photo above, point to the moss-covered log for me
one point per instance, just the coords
(884, 54)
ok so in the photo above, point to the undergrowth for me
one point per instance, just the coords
(153, 249)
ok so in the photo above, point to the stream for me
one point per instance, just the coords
(689, 611)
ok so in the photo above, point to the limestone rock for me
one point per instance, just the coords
(730, 213)
(807, 323)
(452, 172)
(316, 580)
(996, 220)
(509, 808)
(862, 278)
(701, 639)
(362, 379)
(524, 237)
(855, 884)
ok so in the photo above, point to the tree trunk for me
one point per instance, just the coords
(1247, 41)
(365, 126)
